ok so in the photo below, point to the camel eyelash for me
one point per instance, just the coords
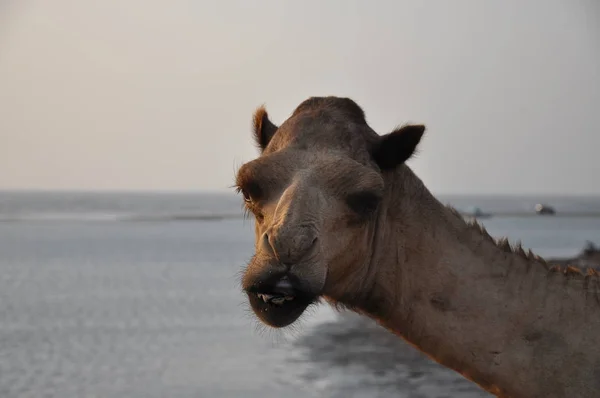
(246, 212)
(249, 209)
(240, 190)
(249, 206)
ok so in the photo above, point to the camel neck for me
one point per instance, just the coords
(445, 286)
(449, 290)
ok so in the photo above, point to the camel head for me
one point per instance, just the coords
(316, 192)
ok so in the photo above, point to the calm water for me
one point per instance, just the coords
(114, 295)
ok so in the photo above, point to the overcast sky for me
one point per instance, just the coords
(140, 94)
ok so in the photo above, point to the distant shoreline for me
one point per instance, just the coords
(148, 218)
(230, 192)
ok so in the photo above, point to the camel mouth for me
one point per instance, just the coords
(280, 303)
(282, 291)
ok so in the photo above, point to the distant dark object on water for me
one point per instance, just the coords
(476, 212)
(589, 257)
(544, 209)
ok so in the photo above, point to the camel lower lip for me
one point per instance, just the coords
(277, 309)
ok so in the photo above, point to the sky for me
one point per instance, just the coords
(158, 95)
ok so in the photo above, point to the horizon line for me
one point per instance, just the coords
(232, 193)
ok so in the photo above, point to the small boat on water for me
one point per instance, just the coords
(544, 209)
(476, 212)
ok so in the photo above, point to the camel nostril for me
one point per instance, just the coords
(312, 247)
(266, 243)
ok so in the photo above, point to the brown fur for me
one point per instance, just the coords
(383, 246)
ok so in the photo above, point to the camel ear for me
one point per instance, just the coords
(398, 146)
(263, 129)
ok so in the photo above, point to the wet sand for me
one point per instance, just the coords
(360, 358)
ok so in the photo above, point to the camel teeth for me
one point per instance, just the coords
(278, 300)
(274, 299)
(264, 297)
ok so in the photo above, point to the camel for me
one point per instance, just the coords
(340, 216)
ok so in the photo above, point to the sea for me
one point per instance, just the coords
(137, 295)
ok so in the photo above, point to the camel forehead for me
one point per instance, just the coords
(326, 123)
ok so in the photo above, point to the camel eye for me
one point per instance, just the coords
(250, 191)
(363, 203)
(246, 196)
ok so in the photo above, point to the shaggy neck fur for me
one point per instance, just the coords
(501, 317)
